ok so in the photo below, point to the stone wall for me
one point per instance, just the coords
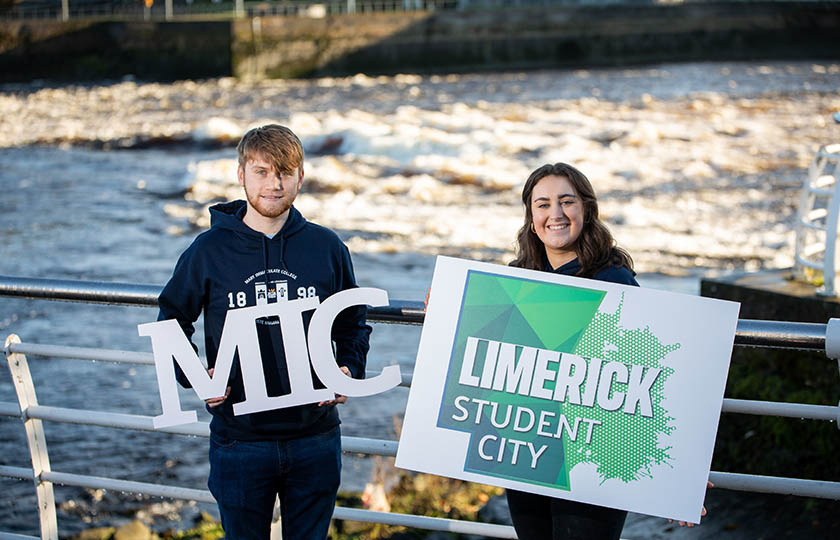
(85, 50)
(522, 38)
(536, 37)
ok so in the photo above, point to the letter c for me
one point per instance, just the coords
(320, 345)
(481, 453)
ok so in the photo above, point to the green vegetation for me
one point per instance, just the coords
(419, 494)
(206, 529)
(780, 446)
(775, 446)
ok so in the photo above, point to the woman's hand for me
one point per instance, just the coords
(338, 397)
(216, 401)
(702, 512)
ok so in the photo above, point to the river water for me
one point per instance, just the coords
(698, 167)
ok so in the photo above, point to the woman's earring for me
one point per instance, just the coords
(533, 230)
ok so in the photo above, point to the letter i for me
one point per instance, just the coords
(490, 359)
(501, 450)
(592, 376)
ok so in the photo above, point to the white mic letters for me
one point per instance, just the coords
(240, 333)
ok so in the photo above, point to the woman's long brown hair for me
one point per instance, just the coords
(595, 246)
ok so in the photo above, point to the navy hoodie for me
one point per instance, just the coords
(233, 266)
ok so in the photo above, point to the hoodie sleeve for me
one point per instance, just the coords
(182, 299)
(350, 333)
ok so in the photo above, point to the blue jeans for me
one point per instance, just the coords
(246, 476)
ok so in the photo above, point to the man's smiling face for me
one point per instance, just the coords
(270, 193)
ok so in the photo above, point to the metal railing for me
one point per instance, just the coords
(167, 10)
(751, 333)
(817, 219)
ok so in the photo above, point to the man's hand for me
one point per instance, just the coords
(338, 397)
(216, 401)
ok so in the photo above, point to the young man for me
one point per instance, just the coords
(259, 251)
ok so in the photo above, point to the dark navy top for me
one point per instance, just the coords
(613, 274)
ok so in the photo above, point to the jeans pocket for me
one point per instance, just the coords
(220, 441)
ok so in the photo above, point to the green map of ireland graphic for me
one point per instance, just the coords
(512, 338)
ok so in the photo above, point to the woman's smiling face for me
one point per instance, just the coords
(557, 213)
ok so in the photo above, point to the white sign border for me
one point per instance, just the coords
(677, 492)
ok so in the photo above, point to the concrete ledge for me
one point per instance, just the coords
(772, 295)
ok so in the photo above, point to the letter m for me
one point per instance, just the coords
(239, 333)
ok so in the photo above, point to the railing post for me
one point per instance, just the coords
(832, 348)
(34, 428)
(65, 10)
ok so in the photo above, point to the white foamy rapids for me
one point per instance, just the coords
(695, 165)
(679, 190)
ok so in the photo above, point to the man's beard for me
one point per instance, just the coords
(269, 210)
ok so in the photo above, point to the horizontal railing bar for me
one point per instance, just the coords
(9, 409)
(830, 151)
(98, 292)
(821, 192)
(788, 410)
(112, 420)
(364, 445)
(812, 226)
(373, 447)
(100, 482)
(358, 445)
(201, 495)
(808, 338)
(781, 334)
(13, 536)
(809, 264)
(424, 522)
(398, 311)
(83, 353)
(21, 473)
(101, 292)
(776, 484)
(116, 356)
(724, 480)
(756, 333)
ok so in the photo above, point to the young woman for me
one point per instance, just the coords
(563, 234)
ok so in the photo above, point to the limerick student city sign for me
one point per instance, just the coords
(240, 335)
(572, 388)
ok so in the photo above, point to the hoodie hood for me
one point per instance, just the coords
(229, 216)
